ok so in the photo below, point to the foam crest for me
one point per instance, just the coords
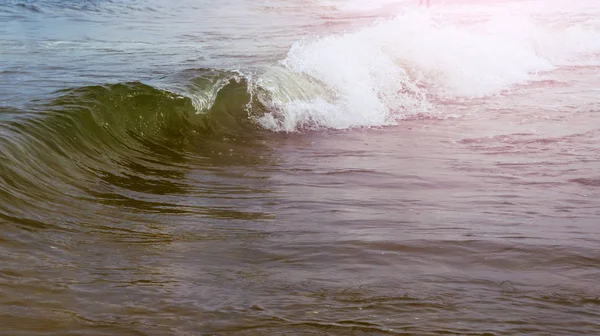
(392, 69)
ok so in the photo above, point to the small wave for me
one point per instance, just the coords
(588, 182)
(29, 7)
(55, 7)
(129, 136)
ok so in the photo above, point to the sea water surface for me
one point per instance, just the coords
(299, 167)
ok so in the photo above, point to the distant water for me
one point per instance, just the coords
(299, 167)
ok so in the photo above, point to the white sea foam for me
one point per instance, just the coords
(392, 69)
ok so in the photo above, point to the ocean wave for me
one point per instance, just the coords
(394, 69)
(132, 137)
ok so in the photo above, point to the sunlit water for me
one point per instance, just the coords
(304, 167)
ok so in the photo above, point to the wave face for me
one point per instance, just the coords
(88, 141)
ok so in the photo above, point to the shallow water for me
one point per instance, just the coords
(299, 167)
